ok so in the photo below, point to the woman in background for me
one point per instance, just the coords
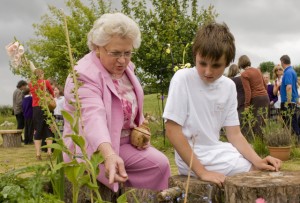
(255, 92)
(41, 128)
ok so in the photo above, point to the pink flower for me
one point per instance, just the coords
(260, 200)
(15, 51)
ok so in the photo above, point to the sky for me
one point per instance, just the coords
(263, 29)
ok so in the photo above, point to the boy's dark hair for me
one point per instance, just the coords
(26, 91)
(244, 62)
(285, 59)
(21, 83)
(214, 40)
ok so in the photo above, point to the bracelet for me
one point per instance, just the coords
(109, 156)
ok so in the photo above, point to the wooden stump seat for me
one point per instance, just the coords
(273, 187)
(199, 191)
(11, 138)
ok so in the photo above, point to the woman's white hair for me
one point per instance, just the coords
(111, 24)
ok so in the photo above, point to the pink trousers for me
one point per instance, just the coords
(147, 168)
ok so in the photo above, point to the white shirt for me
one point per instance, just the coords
(202, 110)
(59, 105)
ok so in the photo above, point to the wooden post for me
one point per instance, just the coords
(283, 186)
(11, 138)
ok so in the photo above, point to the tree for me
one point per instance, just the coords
(165, 22)
(267, 67)
(49, 49)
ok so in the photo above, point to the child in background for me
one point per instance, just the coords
(60, 100)
(27, 112)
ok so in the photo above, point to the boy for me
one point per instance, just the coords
(27, 112)
(200, 102)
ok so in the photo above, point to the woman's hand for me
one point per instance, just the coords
(269, 163)
(115, 169)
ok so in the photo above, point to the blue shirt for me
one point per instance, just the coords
(289, 78)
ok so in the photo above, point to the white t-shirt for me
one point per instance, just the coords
(202, 110)
(59, 105)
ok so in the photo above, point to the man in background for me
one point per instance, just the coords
(17, 103)
(289, 94)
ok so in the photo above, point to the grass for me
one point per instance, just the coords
(11, 158)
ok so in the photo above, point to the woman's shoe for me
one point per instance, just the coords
(38, 157)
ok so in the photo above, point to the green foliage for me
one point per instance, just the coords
(14, 188)
(276, 134)
(248, 121)
(297, 69)
(6, 110)
(163, 24)
(267, 67)
(49, 49)
(260, 147)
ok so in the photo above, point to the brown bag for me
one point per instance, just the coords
(49, 99)
(140, 136)
(51, 102)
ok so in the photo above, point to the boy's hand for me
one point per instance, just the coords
(269, 163)
(214, 177)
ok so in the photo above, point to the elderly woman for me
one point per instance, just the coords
(112, 105)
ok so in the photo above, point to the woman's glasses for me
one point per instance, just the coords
(118, 54)
(279, 69)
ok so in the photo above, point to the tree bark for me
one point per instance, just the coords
(11, 138)
(273, 187)
(199, 191)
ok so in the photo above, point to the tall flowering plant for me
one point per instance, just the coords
(18, 61)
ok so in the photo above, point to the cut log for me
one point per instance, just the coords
(11, 138)
(277, 187)
(199, 191)
(142, 195)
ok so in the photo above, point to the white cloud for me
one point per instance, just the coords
(264, 30)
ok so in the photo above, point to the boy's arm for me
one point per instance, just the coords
(236, 138)
(180, 143)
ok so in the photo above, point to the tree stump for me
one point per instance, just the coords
(11, 138)
(273, 187)
(199, 191)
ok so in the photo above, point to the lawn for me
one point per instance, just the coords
(11, 158)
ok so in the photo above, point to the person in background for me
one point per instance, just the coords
(235, 75)
(200, 102)
(289, 95)
(112, 106)
(273, 98)
(41, 128)
(256, 94)
(60, 100)
(17, 103)
(277, 76)
(27, 112)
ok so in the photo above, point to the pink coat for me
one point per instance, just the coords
(101, 107)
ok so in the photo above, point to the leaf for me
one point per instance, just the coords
(54, 146)
(96, 159)
(123, 197)
(79, 140)
(68, 117)
(74, 172)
